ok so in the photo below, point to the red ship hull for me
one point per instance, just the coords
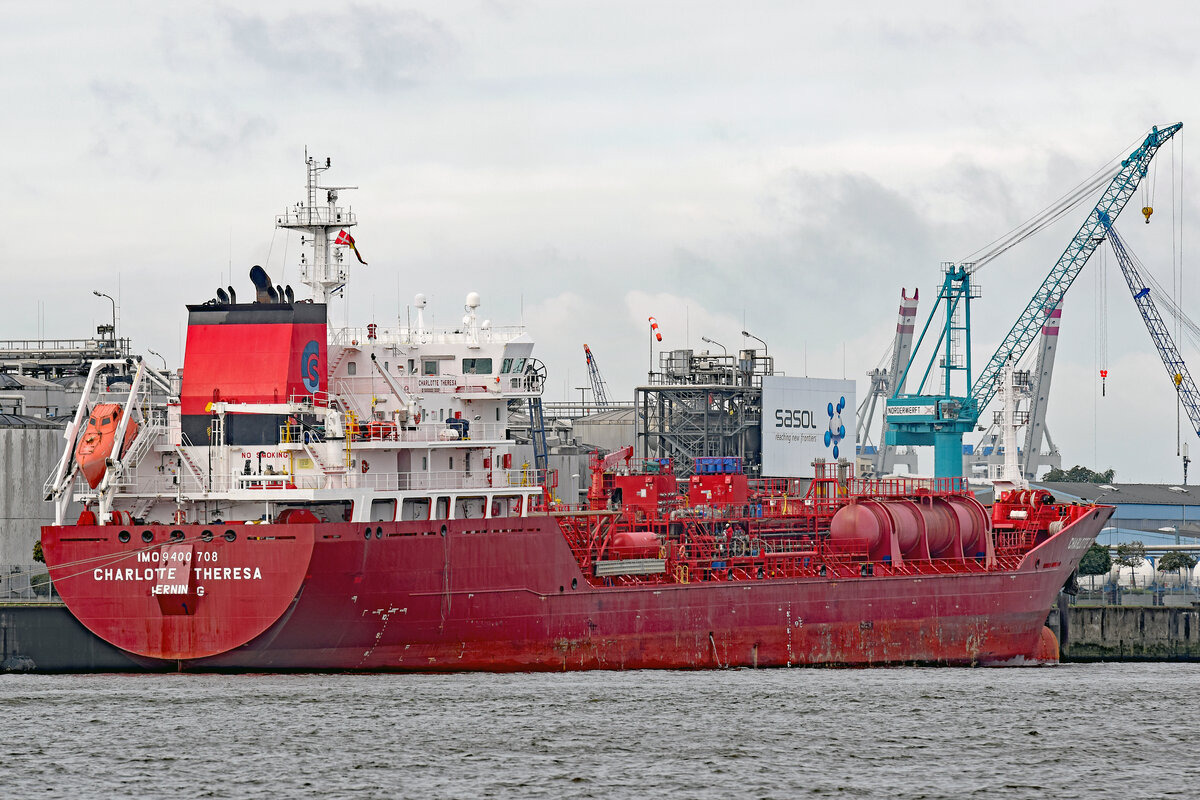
(509, 595)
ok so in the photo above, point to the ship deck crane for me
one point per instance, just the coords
(1185, 387)
(925, 418)
(599, 387)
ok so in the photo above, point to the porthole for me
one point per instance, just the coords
(574, 583)
(367, 533)
(379, 533)
(206, 536)
(123, 537)
(230, 536)
(147, 537)
(561, 589)
(444, 529)
(176, 536)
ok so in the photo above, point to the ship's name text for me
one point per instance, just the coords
(169, 574)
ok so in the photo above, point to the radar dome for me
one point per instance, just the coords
(419, 301)
(472, 299)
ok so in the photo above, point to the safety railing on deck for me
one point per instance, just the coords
(902, 487)
(368, 431)
(151, 482)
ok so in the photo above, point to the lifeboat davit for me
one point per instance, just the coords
(98, 439)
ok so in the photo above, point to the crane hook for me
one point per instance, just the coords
(1147, 210)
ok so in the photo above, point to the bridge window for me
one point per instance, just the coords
(477, 366)
(506, 365)
(429, 367)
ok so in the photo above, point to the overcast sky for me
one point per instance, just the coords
(783, 168)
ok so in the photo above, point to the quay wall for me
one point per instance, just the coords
(46, 637)
(1127, 633)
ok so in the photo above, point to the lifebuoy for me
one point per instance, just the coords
(365, 466)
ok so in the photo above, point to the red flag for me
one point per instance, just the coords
(345, 238)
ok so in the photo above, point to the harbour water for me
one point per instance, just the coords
(1071, 731)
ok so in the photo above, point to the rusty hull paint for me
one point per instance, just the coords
(497, 595)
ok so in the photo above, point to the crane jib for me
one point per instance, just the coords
(1172, 360)
(1071, 262)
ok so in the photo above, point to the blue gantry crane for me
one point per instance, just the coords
(941, 419)
(1163, 341)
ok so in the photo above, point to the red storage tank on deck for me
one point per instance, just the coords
(634, 544)
(937, 527)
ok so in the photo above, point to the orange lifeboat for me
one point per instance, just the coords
(98, 438)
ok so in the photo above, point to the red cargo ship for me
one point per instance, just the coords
(341, 500)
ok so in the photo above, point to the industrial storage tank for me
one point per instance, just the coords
(1139, 577)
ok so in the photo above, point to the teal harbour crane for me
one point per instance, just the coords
(924, 418)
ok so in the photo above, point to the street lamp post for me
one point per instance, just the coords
(724, 352)
(750, 335)
(160, 355)
(114, 315)
(770, 370)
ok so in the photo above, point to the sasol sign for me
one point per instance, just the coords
(805, 419)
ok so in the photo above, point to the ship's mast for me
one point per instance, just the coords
(322, 268)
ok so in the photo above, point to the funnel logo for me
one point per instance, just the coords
(836, 431)
(310, 362)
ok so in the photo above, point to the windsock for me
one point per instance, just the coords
(654, 329)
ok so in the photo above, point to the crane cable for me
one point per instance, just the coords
(1102, 323)
(1036, 224)
(1049, 215)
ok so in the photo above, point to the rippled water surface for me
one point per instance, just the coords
(1107, 730)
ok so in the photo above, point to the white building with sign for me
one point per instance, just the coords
(805, 419)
